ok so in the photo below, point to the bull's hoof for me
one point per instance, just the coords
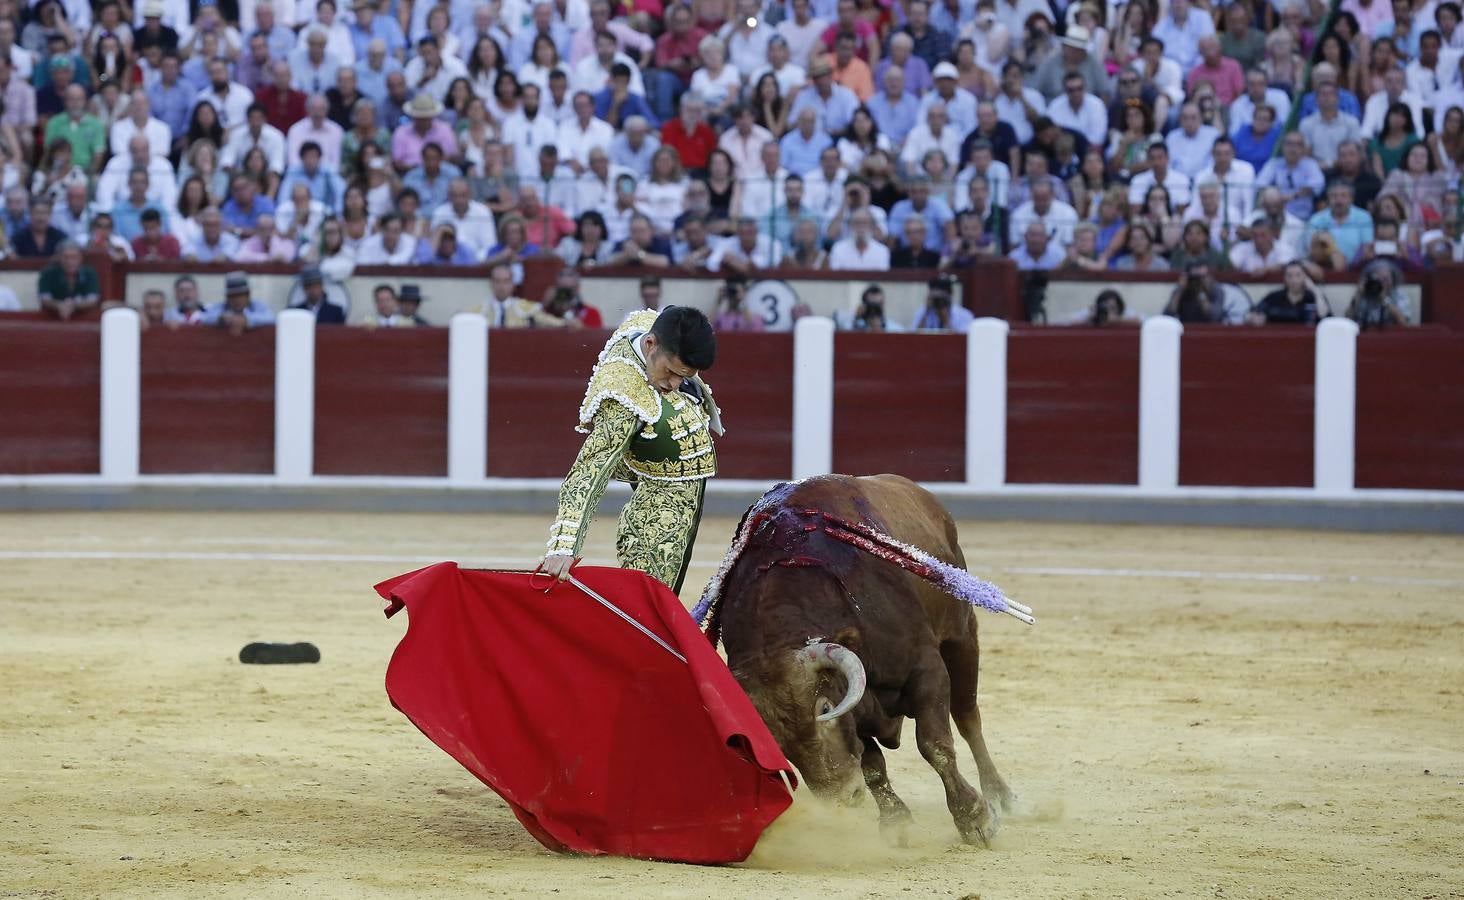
(1004, 797)
(895, 828)
(981, 826)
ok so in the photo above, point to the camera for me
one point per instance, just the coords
(1372, 286)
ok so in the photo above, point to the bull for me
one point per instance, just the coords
(836, 646)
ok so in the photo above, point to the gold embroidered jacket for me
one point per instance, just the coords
(635, 434)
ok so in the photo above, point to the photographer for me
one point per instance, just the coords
(869, 315)
(1379, 302)
(940, 314)
(732, 315)
(1106, 311)
(1197, 298)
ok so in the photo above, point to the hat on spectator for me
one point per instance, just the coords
(1432, 237)
(411, 293)
(945, 70)
(311, 275)
(152, 9)
(361, 4)
(236, 282)
(61, 62)
(822, 67)
(1077, 37)
(424, 106)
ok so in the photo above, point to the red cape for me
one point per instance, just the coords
(600, 740)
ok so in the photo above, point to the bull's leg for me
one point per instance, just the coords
(962, 660)
(974, 817)
(894, 815)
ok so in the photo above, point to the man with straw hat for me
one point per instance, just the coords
(425, 128)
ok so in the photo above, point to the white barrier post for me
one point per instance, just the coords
(1159, 403)
(986, 403)
(294, 395)
(1334, 421)
(813, 396)
(121, 390)
(467, 399)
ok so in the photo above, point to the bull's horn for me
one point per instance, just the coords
(836, 656)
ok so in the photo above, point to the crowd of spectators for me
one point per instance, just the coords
(735, 135)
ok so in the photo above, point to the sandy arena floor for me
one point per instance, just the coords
(1197, 713)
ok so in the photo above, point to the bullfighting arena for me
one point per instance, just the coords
(1198, 712)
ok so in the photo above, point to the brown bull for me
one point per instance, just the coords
(808, 619)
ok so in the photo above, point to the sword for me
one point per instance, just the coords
(623, 615)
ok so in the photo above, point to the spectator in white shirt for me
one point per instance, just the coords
(162, 184)
(1258, 93)
(1160, 173)
(960, 103)
(802, 33)
(1395, 90)
(789, 75)
(592, 74)
(1016, 104)
(823, 188)
(211, 243)
(595, 189)
(389, 246)
(230, 98)
(936, 133)
(577, 136)
(476, 229)
(860, 250)
(1190, 144)
(1261, 255)
(529, 129)
(747, 37)
(431, 71)
(139, 120)
(746, 251)
(1431, 73)
(762, 186)
(256, 133)
(1236, 177)
(1055, 216)
(1079, 110)
(1161, 72)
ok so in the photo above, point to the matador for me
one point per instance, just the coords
(649, 420)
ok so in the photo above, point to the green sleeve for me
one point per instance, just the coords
(604, 447)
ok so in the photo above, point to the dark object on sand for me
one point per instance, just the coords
(279, 654)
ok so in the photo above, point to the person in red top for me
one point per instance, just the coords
(849, 20)
(283, 105)
(544, 224)
(692, 137)
(677, 57)
(152, 244)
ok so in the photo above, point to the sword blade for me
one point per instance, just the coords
(625, 616)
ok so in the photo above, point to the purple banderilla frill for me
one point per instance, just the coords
(952, 579)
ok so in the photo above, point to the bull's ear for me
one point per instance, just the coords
(849, 637)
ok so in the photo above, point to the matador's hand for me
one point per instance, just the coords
(557, 567)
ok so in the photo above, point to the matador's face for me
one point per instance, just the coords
(665, 371)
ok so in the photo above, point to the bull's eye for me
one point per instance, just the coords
(824, 707)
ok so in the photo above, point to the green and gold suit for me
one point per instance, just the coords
(660, 443)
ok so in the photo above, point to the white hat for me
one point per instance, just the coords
(1430, 237)
(1077, 36)
(945, 70)
(152, 9)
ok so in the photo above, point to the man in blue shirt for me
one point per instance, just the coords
(937, 215)
(1349, 226)
(242, 210)
(1326, 73)
(893, 110)
(326, 185)
(833, 104)
(431, 179)
(127, 214)
(370, 26)
(373, 69)
(171, 99)
(801, 146)
(615, 104)
(239, 312)
(1296, 175)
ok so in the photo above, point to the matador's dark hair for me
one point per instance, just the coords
(685, 333)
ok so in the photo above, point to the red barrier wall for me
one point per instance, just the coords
(753, 384)
(536, 380)
(1410, 410)
(1245, 406)
(381, 401)
(1073, 406)
(900, 405)
(51, 401)
(207, 402)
